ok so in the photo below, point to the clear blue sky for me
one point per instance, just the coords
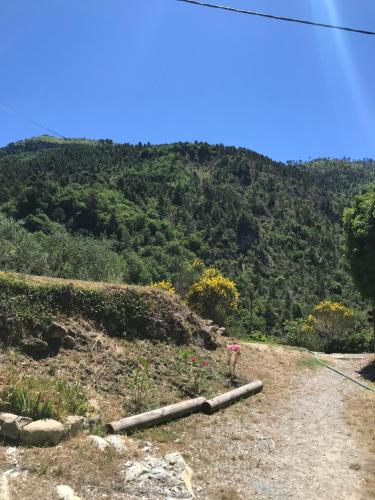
(160, 71)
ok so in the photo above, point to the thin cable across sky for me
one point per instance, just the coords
(278, 18)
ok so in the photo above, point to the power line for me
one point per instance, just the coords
(278, 18)
(12, 111)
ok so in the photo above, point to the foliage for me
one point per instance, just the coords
(165, 285)
(332, 327)
(39, 397)
(148, 211)
(332, 319)
(359, 223)
(30, 305)
(213, 295)
(192, 371)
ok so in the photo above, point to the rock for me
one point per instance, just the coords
(34, 347)
(42, 432)
(69, 342)
(74, 424)
(11, 425)
(147, 447)
(157, 474)
(91, 422)
(100, 442)
(4, 488)
(11, 455)
(66, 493)
(116, 442)
(57, 331)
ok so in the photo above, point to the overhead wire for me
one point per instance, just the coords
(37, 124)
(278, 18)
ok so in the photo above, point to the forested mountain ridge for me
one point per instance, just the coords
(274, 228)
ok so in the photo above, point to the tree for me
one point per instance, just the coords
(359, 224)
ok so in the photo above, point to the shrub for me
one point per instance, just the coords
(213, 295)
(164, 285)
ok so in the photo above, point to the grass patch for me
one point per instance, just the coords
(311, 363)
(40, 397)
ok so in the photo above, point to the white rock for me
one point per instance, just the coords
(66, 493)
(116, 442)
(42, 432)
(4, 488)
(100, 442)
(135, 471)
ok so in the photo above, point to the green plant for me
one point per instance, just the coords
(140, 385)
(192, 370)
(40, 397)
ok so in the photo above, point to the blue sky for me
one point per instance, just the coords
(161, 71)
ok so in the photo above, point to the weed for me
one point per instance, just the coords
(140, 385)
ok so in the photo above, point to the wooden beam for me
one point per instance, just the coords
(230, 397)
(158, 416)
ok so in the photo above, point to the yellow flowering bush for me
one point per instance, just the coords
(332, 318)
(213, 295)
(165, 285)
(309, 325)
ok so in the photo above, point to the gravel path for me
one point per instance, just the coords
(315, 454)
(305, 449)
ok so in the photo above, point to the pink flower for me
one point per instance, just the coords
(233, 347)
(204, 363)
(193, 360)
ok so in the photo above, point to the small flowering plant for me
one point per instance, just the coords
(234, 352)
(194, 370)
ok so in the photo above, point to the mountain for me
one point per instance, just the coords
(138, 213)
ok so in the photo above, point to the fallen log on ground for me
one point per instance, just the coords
(230, 397)
(158, 416)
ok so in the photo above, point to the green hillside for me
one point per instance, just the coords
(139, 213)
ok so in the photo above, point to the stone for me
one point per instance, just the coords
(57, 331)
(156, 474)
(100, 442)
(74, 424)
(42, 432)
(91, 422)
(11, 425)
(69, 342)
(65, 492)
(116, 442)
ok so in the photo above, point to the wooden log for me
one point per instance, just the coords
(158, 416)
(230, 397)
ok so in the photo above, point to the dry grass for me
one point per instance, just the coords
(360, 408)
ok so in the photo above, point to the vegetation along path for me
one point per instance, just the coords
(311, 440)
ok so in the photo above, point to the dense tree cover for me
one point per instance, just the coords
(359, 222)
(274, 228)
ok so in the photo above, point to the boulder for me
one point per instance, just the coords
(65, 492)
(100, 442)
(42, 432)
(11, 425)
(74, 424)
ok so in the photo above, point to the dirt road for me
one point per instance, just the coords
(302, 446)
